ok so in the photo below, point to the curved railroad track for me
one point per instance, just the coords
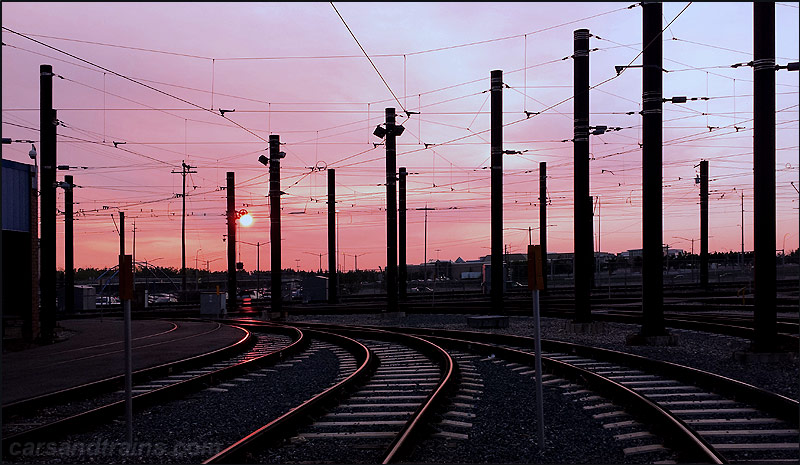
(704, 417)
(379, 412)
(83, 407)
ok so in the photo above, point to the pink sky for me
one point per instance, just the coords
(306, 79)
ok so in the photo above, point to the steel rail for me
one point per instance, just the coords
(116, 382)
(693, 447)
(277, 428)
(690, 446)
(775, 404)
(79, 422)
(447, 381)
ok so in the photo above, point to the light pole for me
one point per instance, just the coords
(692, 253)
(783, 249)
(196, 271)
(320, 258)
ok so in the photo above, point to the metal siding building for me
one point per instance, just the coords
(20, 264)
(16, 196)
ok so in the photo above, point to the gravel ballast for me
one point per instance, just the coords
(196, 427)
(704, 351)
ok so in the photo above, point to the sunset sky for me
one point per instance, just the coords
(294, 69)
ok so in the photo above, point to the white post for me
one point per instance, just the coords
(128, 372)
(538, 352)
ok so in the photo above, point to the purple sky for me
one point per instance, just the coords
(293, 69)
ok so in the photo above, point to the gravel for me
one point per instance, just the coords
(196, 427)
(505, 429)
(709, 352)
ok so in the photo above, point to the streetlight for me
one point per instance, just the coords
(320, 258)
(783, 249)
(196, 270)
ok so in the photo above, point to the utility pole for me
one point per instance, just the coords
(704, 224)
(403, 274)
(69, 262)
(496, 126)
(275, 156)
(764, 229)
(47, 137)
(425, 248)
(391, 211)
(185, 169)
(582, 223)
(741, 257)
(333, 285)
(543, 220)
(231, 214)
(652, 229)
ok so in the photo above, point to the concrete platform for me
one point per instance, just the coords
(93, 350)
(487, 321)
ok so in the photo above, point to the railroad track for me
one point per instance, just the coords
(701, 416)
(380, 410)
(395, 392)
(84, 407)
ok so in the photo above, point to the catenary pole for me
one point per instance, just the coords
(764, 229)
(704, 224)
(231, 214)
(582, 235)
(333, 287)
(543, 219)
(69, 262)
(496, 126)
(47, 136)
(275, 156)
(652, 230)
(391, 211)
(403, 271)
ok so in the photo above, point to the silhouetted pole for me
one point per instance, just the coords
(69, 262)
(582, 222)
(391, 212)
(543, 219)
(231, 214)
(275, 156)
(498, 282)
(704, 224)
(185, 169)
(764, 229)
(403, 272)
(652, 231)
(47, 137)
(125, 294)
(333, 287)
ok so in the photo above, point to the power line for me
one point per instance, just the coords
(370, 59)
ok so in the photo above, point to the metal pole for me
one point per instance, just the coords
(764, 229)
(543, 218)
(231, 214)
(47, 130)
(275, 221)
(403, 272)
(391, 212)
(741, 260)
(496, 79)
(537, 335)
(126, 305)
(582, 222)
(183, 234)
(652, 233)
(69, 263)
(704, 224)
(333, 286)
